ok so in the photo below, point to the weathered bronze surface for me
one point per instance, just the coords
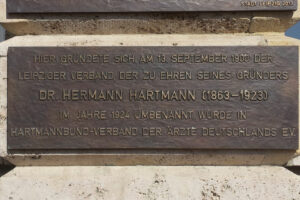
(93, 98)
(96, 6)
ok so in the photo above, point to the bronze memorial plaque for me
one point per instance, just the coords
(98, 6)
(96, 98)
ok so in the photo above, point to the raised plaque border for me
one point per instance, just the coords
(17, 56)
(123, 6)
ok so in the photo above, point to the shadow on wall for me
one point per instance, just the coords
(2, 34)
(5, 167)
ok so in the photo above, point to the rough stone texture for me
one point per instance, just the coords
(133, 40)
(132, 24)
(295, 161)
(2, 38)
(3, 9)
(220, 157)
(149, 183)
(3, 105)
(3, 100)
(273, 22)
(265, 24)
(148, 23)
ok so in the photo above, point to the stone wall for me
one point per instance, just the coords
(150, 183)
(198, 174)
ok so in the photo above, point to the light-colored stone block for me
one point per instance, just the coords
(3, 105)
(133, 40)
(202, 157)
(2, 10)
(274, 21)
(149, 183)
(294, 161)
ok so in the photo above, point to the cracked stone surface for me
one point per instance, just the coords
(150, 183)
